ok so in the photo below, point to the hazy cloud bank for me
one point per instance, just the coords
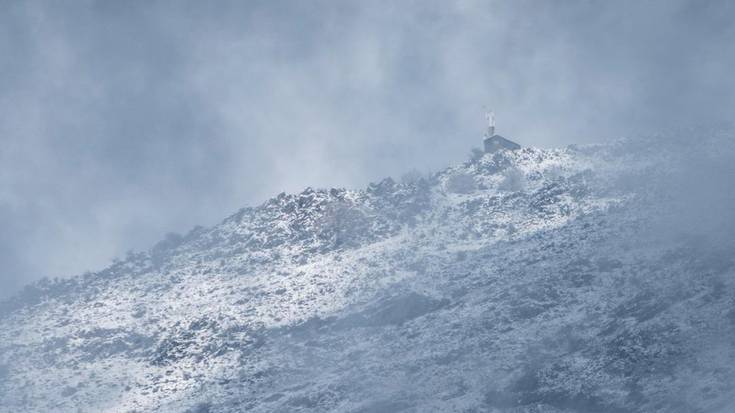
(121, 121)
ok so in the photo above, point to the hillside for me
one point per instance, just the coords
(586, 279)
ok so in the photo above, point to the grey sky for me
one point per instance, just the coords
(120, 121)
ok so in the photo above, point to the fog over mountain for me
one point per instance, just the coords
(595, 278)
(122, 121)
(275, 206)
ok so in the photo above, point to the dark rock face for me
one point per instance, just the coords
(545, 286)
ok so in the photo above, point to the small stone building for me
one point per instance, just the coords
(493, 142)
(496, 142)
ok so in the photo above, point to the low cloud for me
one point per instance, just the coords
(120, 122)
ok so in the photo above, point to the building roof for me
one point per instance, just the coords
(496, 142)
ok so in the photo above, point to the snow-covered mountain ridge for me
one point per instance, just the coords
(527, 281)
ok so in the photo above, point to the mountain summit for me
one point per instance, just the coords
(536, 280)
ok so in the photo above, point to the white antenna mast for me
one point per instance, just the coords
(490, 116)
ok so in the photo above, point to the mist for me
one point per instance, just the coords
(120, 122)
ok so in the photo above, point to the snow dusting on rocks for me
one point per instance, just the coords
(528, 281)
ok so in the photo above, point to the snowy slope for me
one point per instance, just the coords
(528, 281)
